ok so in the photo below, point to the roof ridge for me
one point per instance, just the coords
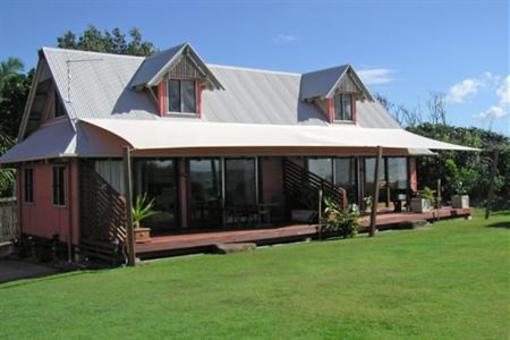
(92, 52)
(329, 68)
(251, 69)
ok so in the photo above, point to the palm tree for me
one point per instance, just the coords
(10, 67)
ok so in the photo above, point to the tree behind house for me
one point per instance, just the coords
(115, 41)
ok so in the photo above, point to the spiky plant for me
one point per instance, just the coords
(142, 209)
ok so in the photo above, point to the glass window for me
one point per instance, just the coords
(343, 106)
(345, 176)
(240, 181)
(29, 185)
(157, 179)
(322, 167)
(397, 173)
(182, 96)
(369, 175)
(174, 95)
(188, 96)
(58, 185)
(205, 192)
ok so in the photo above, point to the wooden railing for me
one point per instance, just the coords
(302, 188)
(102, 216)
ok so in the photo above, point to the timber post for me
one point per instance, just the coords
(375, 196)
(490, 196)
(129, 199)
(319, 216)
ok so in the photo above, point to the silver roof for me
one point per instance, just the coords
(99, 87)
(153, 64)
(319, 83)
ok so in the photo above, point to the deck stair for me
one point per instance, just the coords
(102, 218)
(302, 189)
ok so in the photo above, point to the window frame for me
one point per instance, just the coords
(59, 197)
(26, 187)
(181, 96)
(340, 100)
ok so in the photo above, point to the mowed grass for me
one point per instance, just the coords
(447, 281)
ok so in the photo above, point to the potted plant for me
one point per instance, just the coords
(339, 222)
(367, 202)
(140, 211)
(461, 199)
(424, 201)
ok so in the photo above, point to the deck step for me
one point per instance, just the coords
(412, 224)
(230, 248)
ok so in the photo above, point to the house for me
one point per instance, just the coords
(209, 144)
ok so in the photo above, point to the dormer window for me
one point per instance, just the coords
(182, 96)
(344, 108)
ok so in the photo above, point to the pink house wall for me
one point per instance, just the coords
(42, 218)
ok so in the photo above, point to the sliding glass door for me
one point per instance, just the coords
(339, 171)
(346, 176)
(322, 167)
(157, 179)
(393, 177)
(205, 189)
(240, 181)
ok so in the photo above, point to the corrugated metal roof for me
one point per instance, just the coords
(53, 140)
(153, 64)
(319, 83)
(99, 88)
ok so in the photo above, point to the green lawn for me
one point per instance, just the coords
(447, 281)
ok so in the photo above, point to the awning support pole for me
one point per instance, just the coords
(375, 195)
(490, 196)
(319, 218)
(129, 199)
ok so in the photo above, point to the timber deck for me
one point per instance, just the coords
(203, 242)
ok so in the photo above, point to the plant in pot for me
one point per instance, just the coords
(338, 222)
(461, 199)
(139, 212)
(367, 203)
(424, 201)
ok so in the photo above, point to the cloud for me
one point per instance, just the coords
(376, 76)
(493, 113)
(503, 92)
(459, 91)
(496, 112)
(282, 38)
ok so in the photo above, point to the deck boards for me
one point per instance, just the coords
(183, 242)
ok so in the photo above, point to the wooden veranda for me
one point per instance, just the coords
(205, 241)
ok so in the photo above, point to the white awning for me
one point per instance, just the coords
(54, 140)
(105, 138)
(163, 134)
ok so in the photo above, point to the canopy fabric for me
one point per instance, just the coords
(161, 134)
(54, 140)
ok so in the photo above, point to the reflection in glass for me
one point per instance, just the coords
(205, 192)
(369, 176)
(397, 173)
(158, 180)
(345, 177)
(322, 167)
(240, 182)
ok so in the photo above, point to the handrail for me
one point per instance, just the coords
(302, 186)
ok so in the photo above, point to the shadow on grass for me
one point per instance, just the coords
(502, 225)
